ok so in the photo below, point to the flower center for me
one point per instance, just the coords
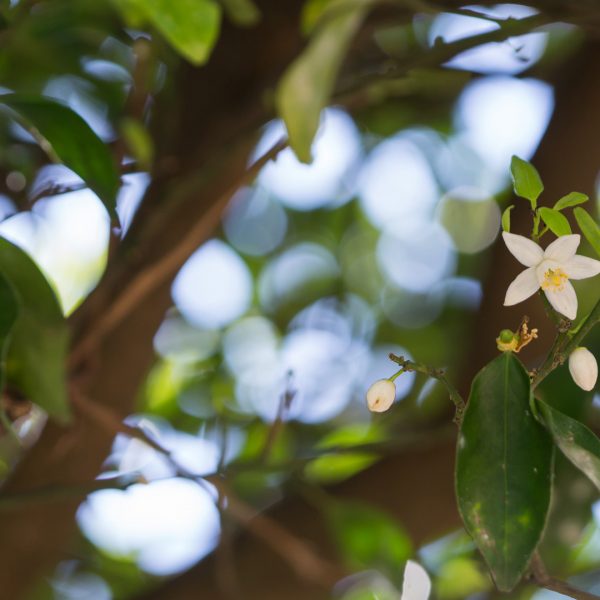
(554, 279)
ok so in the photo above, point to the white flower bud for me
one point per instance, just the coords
(381, 395)
(583, 368)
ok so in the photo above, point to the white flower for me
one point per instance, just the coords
(550, 270)
(381, 395)
(583, 368)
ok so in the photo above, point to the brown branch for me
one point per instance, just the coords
(541, 577)
(149, 279)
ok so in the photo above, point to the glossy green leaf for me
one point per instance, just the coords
(190, 26)
(503, 470)
(243, 13)
(506, 218)
(368, 538)
(9, 310)
(306, 86)
(67, 138)
(578, 443)
(570, 200)
(39, 342)
(589, 228)
(555, 220)
(526, 180)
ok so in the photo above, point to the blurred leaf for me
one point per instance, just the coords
(589, 228)
(503, 470)
(9, 310)
(306, 86)
(526, 180)
(571, 199)
(139, 142)
(578, 443)
(459, 578)
(66, 137)
(312, 11)
(556, 221)
(506, 218)
(345, 463)
(39, 342)
(368, 538)
(190, 26)
(243, 13)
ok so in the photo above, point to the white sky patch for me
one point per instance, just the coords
(396, 181)
(502, 116)
(328, 179)
(214, 287)
(510, 57)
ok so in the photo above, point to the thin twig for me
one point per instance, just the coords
(154, 275)
(541, 577)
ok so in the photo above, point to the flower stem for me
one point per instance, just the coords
(439, 374)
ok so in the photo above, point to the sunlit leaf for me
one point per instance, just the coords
(243, 13)
(367, 537)
(589, 228)
(555, 220)
(578, 443)
(506, 218)
(526, 180)
(503, 470)
(190, 26)
(306, 86)
(38, 347)
(66, 137)
(570, 200)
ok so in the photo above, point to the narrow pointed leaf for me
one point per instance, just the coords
(570, 200)
(39, 341)
(556, 221)
(66, 137)
(306, 86)
(506, 218)
(503, 470)
(526, 180)
(589, 228)
(578, 443)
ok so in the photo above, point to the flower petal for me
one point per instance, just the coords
(525, 284)
(581, 267)
(528, 253)
(564, 301)
(563, 248)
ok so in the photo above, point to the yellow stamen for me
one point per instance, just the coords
(554, 279)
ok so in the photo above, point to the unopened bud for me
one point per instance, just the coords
(583, 368)
(381, 395)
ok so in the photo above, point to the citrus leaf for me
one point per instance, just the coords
(589, 228)
(306, 86)
(503, 470)
(506, 218)
(9, 310)
(67, 138)
(570, 200)
(39, 341)
(575, 440)
(190, 26)
(556, 221)
(526, 180)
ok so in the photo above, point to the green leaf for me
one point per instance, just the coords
(67, 138)
(526, 180)
(503, 470)
(556, 221)
(139, 142)
(589, 228)
(506, 218)
(190, 26)
(576, 441)
(570, 200)
(306, 86)
(9, 310)
(243, 13)
(39, 342)
(368, 538)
